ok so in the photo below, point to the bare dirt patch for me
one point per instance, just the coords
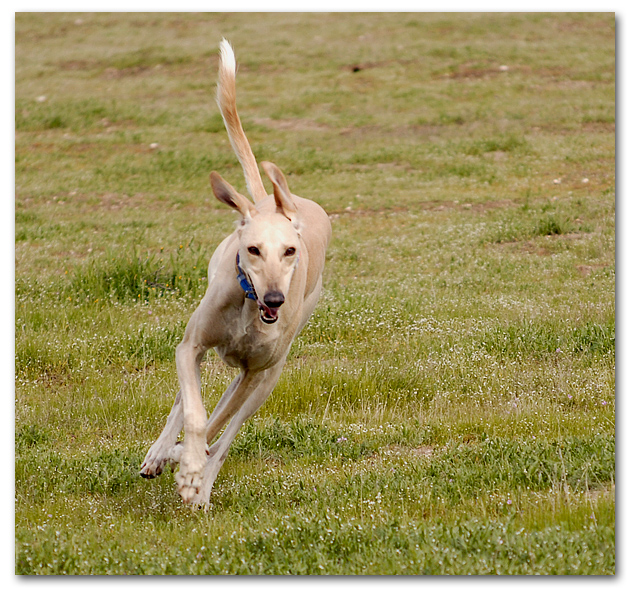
(360, 66)
(588, 269)
(295, 125)
(407, 131)
(537, 248)
(431, 205)
(400, 451)
(70, 65)
(424, 451)
(467, 72)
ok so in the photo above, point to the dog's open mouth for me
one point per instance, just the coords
(268, 314)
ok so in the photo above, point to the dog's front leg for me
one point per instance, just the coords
(193, 459)
(251, 391)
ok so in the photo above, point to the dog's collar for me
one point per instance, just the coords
(245, 283)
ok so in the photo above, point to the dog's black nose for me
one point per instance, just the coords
(274, 300)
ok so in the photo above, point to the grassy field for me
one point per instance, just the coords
(450, 407)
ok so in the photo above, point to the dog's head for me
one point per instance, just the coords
(269, 243)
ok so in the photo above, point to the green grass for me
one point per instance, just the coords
(449, 408)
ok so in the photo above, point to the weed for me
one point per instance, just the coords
(137, 277)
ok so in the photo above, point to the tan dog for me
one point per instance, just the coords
(264, 282)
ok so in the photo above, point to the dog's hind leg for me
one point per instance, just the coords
(162, 450)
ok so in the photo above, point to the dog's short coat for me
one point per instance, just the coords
(264, 282)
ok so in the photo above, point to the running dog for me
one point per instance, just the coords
(264, 282)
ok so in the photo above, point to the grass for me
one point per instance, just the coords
(449, 408)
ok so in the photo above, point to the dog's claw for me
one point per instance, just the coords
(158, 457)
(152, 466)
(189, 487)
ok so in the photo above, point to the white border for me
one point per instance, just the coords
(277, 584)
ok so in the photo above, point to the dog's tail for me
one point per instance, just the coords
(228, 109)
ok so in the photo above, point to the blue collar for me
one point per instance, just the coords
(245, 283)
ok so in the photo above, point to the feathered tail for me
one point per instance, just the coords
(228, 109)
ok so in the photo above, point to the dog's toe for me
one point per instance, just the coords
(151, 468)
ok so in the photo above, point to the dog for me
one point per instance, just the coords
(264, 281)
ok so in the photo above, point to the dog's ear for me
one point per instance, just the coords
(283, 199)
(225, 192)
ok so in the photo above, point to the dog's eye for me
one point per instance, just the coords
(290, 251)
(253, 250)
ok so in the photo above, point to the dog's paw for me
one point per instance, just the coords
(158, 457)
(190, 477)
(154, 462)
(201, 499)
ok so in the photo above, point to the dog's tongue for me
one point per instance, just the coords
(270, 313)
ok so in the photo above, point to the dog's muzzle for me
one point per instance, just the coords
(269, 308)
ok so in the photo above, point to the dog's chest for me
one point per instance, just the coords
(253, 349)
